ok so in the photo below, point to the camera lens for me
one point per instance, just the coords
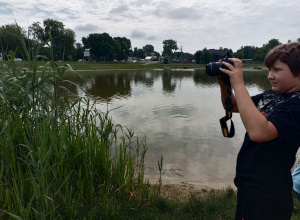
(212, 69)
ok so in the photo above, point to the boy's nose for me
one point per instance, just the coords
(270, 75)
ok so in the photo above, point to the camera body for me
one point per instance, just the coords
(212, 69)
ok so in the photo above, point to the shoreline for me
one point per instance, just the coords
(182, 191)
(187, 183)
(177, 189)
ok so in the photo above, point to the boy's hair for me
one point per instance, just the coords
(287, 53)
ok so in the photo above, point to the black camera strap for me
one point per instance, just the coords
(228, 116)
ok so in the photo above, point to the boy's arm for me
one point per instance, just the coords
(258, 127)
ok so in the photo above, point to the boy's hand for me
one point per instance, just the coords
(235, 72)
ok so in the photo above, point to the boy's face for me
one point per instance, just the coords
(282, 79)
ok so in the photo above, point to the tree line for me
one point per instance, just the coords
(60, 44)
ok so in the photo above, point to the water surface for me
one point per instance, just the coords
(178, 112)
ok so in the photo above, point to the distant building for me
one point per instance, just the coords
(150, 58)
(186, 59)
(217, 54)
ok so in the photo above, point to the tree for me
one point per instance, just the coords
(79, 51)
(166, 60)
(138, 53)
(225, 49)
(197, 56)
(156, 54)
(10, 39)
(134, 52)
(148, 49)
(37, 33)
(206, 56)
(271, 44)
(101, 46)
(261, 53)
(54, 27)
(169, 46)
(66, 43)
(239, 55)
(62, 39)
(122, 48)
(248, 51)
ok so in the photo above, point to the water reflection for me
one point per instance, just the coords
(179, 113)
(108, 86)
(118, 84)
(145, 78)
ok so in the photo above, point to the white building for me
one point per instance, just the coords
(148, 58)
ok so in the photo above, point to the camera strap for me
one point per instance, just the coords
(226, 132)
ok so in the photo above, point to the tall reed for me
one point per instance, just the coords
(58, 152)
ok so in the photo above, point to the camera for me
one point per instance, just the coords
(212, 69)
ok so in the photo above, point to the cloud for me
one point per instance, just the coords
(151, 37)
(87, 28)
(141, 35)
(179, 13)
(119, 10)
(5, 9)
(138, 34)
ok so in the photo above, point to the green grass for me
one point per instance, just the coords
(60, 157)
(129, 65)
(216, 205)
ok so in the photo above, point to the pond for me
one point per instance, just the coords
(178, 112)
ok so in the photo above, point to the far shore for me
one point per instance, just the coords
(102, 66)
(248, 69)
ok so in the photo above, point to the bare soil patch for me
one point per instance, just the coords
(178, 192)
(182, 192)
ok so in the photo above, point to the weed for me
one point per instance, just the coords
(56, 148)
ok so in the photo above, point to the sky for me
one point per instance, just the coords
(193, 24)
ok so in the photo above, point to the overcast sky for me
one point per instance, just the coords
(194, 24)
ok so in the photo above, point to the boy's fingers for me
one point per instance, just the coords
(228, 65)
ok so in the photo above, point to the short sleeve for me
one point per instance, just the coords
(256, 99)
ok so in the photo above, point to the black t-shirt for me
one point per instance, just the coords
(263, 170)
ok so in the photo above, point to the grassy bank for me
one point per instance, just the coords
(60, 157)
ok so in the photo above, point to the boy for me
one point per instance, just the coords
(272, 122)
